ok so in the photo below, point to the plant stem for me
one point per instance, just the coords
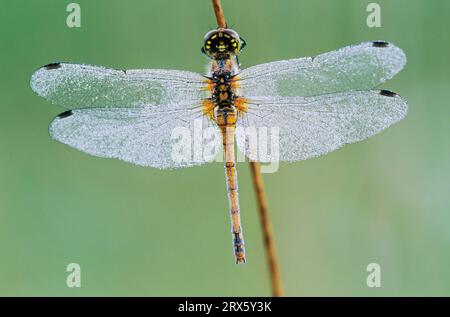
(266, 227)
(258, 184)
(221, 23)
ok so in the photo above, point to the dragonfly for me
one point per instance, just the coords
(317, 104)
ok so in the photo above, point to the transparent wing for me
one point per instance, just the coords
(298, 128)
(358, 67)
(143, 135)
(83, 86)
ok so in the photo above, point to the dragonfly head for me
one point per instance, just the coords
(222, 43)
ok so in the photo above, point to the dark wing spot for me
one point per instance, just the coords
(52, 66)
(65, 114)
(380, 44)
(387, 93)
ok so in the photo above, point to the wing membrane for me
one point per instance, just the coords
(141, 135)
(306, 127)
(83, 86)
(357, 67)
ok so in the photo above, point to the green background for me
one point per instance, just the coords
(141, 231)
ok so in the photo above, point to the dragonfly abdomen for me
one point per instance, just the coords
(226, 120)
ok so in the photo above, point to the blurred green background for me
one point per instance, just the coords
(141, 231)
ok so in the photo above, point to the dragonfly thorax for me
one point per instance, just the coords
(222, 92)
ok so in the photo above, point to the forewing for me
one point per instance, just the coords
(144, 135)
(84, 86)
(357, 67)
(299, 128)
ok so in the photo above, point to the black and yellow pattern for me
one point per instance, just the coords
(222, 43)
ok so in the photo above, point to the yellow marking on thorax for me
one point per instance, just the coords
(223, 96)
(235, 85)
(241, 105)
(209, 85)
(208, 108)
